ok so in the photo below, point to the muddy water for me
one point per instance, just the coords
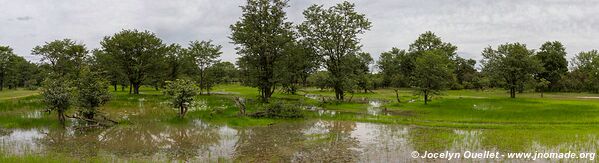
(306, 141)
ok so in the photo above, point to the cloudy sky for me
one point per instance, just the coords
(470, 24)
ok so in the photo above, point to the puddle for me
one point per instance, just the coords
(307, 141)
(374, 108)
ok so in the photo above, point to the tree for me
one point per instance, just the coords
(394, 69)
(224, 72)
(105, 64)
(295, 66)
(5, 55)
(65, 57)
(586, 70)
(204, 54)
(542, 84)
(511, 63)
(432, 72)
(363, 76)
(136, 54)
(182, 93)
(552, 56)
(57, 94)
(465, 72)
(333, 35)
(320, 79)
(92, 92)
(261, 36)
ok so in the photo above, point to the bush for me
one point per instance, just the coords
(280, 110)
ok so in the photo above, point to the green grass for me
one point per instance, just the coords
(7, 94)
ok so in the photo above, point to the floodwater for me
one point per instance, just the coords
(301, 141)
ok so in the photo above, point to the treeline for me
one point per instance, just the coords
(323, 51)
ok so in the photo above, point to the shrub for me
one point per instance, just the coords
(280, 110)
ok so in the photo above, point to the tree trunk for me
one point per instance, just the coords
(123, 88)
(338, 93)
(541, 94)
(397, 95)
(512, 92)
(425, 97)
(130, 88)
(136, 88)
(2, 80)
(115, 86)
(181, 112)
(61, 117)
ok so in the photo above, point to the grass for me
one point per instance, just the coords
(7, 94)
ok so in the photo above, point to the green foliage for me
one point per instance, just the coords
(91, 93)
(432, 73)
(65, 57)
(181, 93)
(204, 54)
(511, 63)
(585, 73)
(262, 35)
(136, 54)
(394, 66)
(320, 79)
(332, 34)
(552, 56)
(57, 93)
(280, 110)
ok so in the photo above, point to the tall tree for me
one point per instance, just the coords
(465, 72)
(65, 57)
(5, 55)
(363, 76)
(512, 64)
(394, 69)
(432, 73)
(552, 56)
(92, 92)
(204, 54)
(332, 33)
(136, 54)
(57, 93)
(261, 36)
(295, 66)
(586, 70)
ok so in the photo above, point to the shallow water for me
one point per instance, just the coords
(303, 141)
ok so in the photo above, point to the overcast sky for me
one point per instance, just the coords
(470, 24)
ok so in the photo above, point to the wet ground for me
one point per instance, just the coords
(314, 140)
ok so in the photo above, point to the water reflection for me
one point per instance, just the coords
(305, 141)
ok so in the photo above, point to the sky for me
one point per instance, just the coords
(471, 25)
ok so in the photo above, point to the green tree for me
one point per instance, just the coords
(182, 93)
(295, 66)
(135, 53)
(465, 72)
(542, 84)
(92, 92)
(57, 93)
(320, 79)
(552, 56)
(5, 55)
(261, 36)
(333, 35)
(432, 73)
(224, 72)
(512, 64)
(395, 70)
(65, 57)
(104, 63)
(363, 76)
(204, 54)
(586, 70)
